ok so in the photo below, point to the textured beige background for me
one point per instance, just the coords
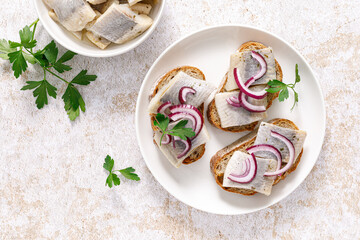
(51, 176)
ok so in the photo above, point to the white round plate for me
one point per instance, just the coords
(209, 50)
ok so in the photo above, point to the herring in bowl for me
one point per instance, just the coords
(100, 28)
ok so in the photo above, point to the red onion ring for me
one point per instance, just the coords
(243, 102)
(262, 62)
(184, 91)
(231, 101)
(267, 148)
(247, 169)
(245, 89)
(166, 139)
(163, 107)
(187, 143)
(248, 106)
(246, 178)
(234, 99)
(291, 148)
(191, 110)
(186, 116)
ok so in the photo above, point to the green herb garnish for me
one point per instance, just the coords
(21, 53)
(276, 86)
(178, 130)
(113, 179)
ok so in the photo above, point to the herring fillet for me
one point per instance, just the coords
(231, 116)
(260, 183)
(95, 2)
(248, 67)
(119, 24)
(297, 137)
(132, 2)
(170, 92)
(72, 14)
(170, 153)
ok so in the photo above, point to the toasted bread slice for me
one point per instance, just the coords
(212, 112)
(195, 73)
(219, 161)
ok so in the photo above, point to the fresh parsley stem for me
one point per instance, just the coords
(161, 129)
(161, 138)
(33, 34)
(56, 75)
(34, 23)
(46, 69)
(31, 53)
(44, 74)
(294, 101)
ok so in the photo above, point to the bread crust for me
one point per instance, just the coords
(220, 159)
(198, 152)
(212, 113)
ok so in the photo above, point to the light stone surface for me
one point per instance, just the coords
(51, 175)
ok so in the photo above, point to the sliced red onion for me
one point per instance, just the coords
(166, 139)
(248, 106)
(262, 62)
(291, 148)
(246, 178)
(234, 99)
(267, 148)
(231, 101)
(163, 107)
(191, 110)
(187, 143)
(246, 90)
(242, 101)
(246, 170)
(184, 91)
(186, 116)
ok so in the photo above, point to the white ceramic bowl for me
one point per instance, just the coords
(86, 48)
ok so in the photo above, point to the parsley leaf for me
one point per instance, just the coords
(112, 178)
(51, 52)
(129, 173)
(161, 121)
(19, 63)
(73, 100)
(283, 88)
(26, 37)
(29, 58)
(72, 97)
(21, 53)
(60, 66)
(83, 79)
(109, 163)
(284, 94)
(5, 49)
(178, 130)
(42, 89)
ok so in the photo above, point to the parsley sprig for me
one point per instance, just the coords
(276, 86)
(113, 179)
(21, 53)
(178, 130)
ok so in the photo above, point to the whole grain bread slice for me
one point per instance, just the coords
(212, 113)
(220, 160)
(198, 152)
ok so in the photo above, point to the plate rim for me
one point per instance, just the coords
(141, 92)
